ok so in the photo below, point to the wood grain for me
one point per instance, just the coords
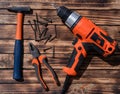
(109, 17)
(97, 75)
(45, 4)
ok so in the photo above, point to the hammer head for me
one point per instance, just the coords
(20, 9)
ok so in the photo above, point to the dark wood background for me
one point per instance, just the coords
(98, 75)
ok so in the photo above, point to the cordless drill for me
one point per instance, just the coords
(88, 36)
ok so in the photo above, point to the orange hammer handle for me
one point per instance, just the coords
(19, 26)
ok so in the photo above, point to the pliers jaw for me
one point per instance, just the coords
(34, 50)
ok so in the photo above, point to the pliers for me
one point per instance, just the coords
(37, 61)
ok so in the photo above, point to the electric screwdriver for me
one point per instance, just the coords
(88, 36)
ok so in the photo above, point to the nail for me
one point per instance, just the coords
(47, 49)
(37, 17)
(34, 29)
(43, 32)
(55, 36)
(37, 26)
(48, 39)
(37, 23)
(43, 23)
(47, 19)
(53, 55)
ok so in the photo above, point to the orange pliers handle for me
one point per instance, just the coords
(37, 64)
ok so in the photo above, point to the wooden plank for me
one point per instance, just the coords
(27, 88)
(8, 32)
(95, 15)
(59, 61)
(17, 88)
(108, 76)
(94, 89)
(107, 83)
(96, 76)
(111, 13)
(113, 32)
(109, 18)
(7, 46)
(3, 60)
(92, 4)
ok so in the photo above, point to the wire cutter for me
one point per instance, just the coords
(37, 61)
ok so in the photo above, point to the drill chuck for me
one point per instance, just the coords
(68, 17)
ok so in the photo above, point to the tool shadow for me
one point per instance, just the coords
(112, 60)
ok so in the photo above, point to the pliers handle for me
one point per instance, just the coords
(37, 64)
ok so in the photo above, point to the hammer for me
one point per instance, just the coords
(18, 48)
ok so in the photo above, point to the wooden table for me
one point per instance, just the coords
(97, 76)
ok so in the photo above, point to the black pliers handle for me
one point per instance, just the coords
(37, 61)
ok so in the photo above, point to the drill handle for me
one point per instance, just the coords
(77, 58)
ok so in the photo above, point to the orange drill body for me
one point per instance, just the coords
(90, 33)
(89, 36)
